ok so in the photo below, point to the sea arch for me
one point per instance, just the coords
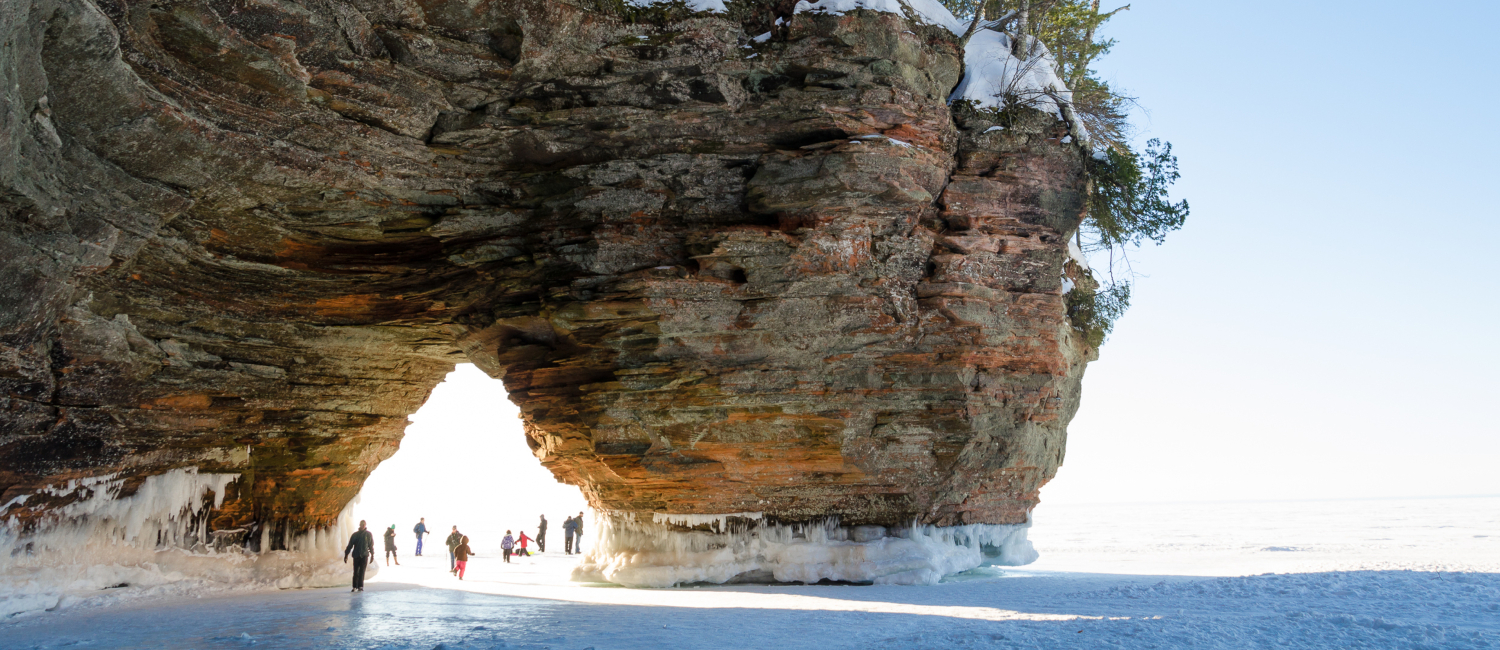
(786, 289)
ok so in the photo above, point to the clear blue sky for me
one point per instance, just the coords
(1324, 326)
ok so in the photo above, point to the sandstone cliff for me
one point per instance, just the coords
(718, 273)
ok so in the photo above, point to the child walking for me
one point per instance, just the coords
(462, 552)
(506, 545)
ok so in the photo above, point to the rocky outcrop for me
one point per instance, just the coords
(719, 272)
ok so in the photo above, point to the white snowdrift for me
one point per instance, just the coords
(650, 554)
(931, 12)
(105, 548)
(993, 76)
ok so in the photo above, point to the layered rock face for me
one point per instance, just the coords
(717, 273)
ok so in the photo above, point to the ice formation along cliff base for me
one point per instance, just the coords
(106, 546)
(683, 549)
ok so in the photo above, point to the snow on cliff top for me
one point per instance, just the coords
(711, 6)
(931, 12)
(991, 73)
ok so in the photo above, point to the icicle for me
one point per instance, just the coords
(156, 536)
(654, 554)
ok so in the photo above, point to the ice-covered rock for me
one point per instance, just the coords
(734, 548)
(110, 543)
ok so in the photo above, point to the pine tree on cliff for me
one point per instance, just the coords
(1129, 201)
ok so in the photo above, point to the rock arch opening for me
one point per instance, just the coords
(464, 461)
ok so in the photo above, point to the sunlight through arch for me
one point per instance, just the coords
(465, 462)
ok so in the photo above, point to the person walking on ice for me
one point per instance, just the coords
(462, 552)
(420, 529)
(541, 535)
(390, 546)
(362, 546)
(506, 545)
(454, 539)
(522, 552)
(569, 525)
(578, 532)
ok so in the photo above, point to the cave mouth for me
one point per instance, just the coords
(464, 461)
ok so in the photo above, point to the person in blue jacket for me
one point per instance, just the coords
(420, 530)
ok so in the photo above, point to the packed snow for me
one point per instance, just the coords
(1412, 573)
(651, 554)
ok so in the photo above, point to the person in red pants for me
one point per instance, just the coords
(462, 552)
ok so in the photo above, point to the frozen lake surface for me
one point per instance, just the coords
(1418, 573)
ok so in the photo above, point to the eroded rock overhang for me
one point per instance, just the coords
(718, 273)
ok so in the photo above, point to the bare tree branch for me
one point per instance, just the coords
(979, 23)
(1081, 69)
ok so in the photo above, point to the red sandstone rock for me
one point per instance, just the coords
(251, 238)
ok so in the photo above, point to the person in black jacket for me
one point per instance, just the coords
(568, 526)
(390, 546)
(541, 535)
(454, 539)
(362, 545)
(578, 533)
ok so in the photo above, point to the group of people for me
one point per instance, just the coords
(572, 535)
(362, 546)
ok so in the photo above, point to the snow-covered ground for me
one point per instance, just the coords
(1419, 573)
